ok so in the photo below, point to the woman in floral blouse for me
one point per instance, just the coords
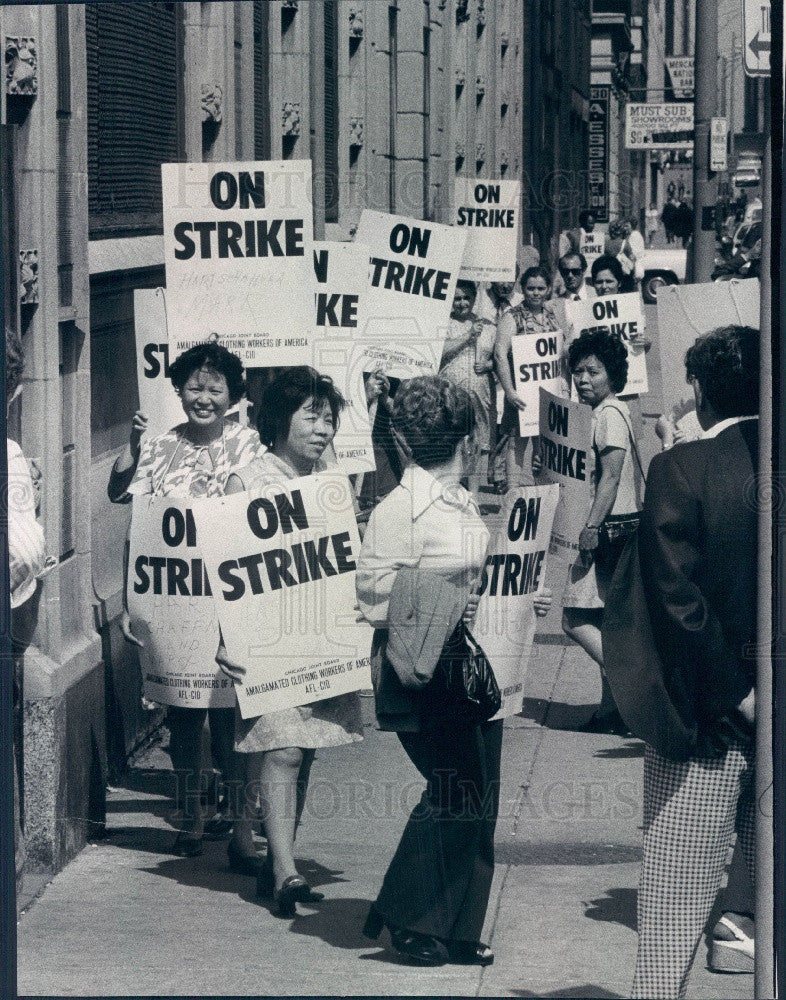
(195, 459)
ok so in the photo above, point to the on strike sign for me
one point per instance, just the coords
(565, 442)
(413, 270)
(620, 314)
(489, 210)
(515, 568)
(237, 248)
(172, 609)
(284, 565)
(537, 361)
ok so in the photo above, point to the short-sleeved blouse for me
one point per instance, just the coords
(172, 465)
(526, 322)
(331, 722)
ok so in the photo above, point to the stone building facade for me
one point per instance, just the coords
(391, 101)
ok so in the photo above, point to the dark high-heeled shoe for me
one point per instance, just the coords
(417, 948)
(294, 890)
(186, 846)
(469, 953)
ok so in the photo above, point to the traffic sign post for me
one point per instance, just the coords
(718, 141)
(758, 39)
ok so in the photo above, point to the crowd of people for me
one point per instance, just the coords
(447, 439)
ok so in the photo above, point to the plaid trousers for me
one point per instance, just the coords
(691, 810)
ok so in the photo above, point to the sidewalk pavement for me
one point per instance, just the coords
(126, 917)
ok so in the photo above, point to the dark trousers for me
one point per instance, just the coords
(439, 880)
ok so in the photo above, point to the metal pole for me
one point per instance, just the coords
(764, 974)
(732, 161)
(705, 184)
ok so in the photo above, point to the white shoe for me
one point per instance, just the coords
(732, 948)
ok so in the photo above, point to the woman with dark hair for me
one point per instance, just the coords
(598, 362)
(298, 419)
(436, 890)
(607, 275)
(194, 459)
(467, 362)
(533, 316)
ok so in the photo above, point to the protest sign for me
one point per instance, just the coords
(238, 253)
(413, 270)
(592, 246)
(284, 565)
(515, 568)
(172, 609)
(157, 397)
(537, 361)
(341, 275)
(685, 312)
(489, 211)
(565, 444)
(621, 314)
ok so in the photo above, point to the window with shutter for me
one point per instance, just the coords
(331, 112)
(133, 62)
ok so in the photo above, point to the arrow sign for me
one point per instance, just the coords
(757, 47)
(757, 28)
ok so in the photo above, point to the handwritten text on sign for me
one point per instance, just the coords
(489, 211)
(515, 569)
(565, 441)
(284, 564)
(237, 249)
(537, 361)
(413, 270)
(340, 271)
(619, 314)
(172, 609)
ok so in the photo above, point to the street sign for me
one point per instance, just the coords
(599, 152)
(659, 126)
(681, 75)
(718, 141)
(758, 39)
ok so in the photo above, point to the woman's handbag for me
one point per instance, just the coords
(463, 689)
(616, 529)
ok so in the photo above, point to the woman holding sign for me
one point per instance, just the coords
(194, 459)
(533, 316)
(599, 365)
(298, 419)
(467, 362)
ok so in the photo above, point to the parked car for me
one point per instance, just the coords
(662, 267)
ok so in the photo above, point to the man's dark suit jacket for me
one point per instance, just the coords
(696, 576)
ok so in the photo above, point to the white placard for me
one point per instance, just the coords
(659, 126)
(537, 361)
(620, 314)
(489, 212)
(171, 607)
(413, 270)
(592, 245)
(565, 444)
(686, 312)
(342, 284)
(238, 243)
(515, 568)
(284, 564)
(157, 397)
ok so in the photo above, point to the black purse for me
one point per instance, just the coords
(463, 690)
(616, 529)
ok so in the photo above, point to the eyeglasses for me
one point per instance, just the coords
(573, 270)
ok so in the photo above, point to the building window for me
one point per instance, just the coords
(331, 111)
(132, 113)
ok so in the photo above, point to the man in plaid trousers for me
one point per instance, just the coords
(678, 646)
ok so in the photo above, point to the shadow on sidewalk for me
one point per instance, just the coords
(590, 991)
(556, 714)
(618, 906)
(337, 922)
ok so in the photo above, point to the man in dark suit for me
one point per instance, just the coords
(697, 554)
